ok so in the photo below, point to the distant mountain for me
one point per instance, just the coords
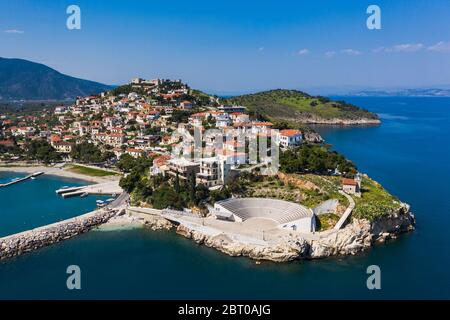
(421, 92)
(295, 106)
(25, 80)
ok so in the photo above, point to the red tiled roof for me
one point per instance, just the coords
(349, 182)
(290, 132)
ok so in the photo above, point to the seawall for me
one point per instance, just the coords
(30, 240)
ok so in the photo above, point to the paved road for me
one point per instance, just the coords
(120, 201)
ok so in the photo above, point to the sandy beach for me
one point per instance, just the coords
(55, 171)
(123, 222)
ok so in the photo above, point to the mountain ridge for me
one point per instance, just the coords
(22, 79)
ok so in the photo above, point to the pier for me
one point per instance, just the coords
(106, 188)
(33, 175)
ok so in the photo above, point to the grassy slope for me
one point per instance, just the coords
(375, 202)
(90, 171)
(297, 106)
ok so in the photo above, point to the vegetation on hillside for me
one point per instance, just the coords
(311, 158)
(41, 150)
(375, 201)
(297, 106)
(158, 191)
(86, 152)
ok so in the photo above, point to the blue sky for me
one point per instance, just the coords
(236, 46)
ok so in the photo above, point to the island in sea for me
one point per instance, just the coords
(129, 142)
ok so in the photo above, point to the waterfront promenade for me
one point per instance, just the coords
(106, 188)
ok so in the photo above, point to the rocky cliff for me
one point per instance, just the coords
(357, 236)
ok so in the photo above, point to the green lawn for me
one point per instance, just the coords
(326, 221)
(90, 171)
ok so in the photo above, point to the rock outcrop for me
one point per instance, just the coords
(312, 136)
(155, 222)
(289, 248)
(361, 234)
(355, 237)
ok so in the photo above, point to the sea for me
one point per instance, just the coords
(408, 153)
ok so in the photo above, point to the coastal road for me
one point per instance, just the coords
(120, 201)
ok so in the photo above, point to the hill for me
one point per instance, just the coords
(25, 80)
(294, 106)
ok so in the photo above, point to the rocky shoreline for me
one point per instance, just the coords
(27, 241)
(342, 122)
(356, 237)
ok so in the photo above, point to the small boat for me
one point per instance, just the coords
(110, 200)
(100, 203)
(84, 195)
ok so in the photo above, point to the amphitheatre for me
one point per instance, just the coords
(262, 213)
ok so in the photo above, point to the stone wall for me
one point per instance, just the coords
(27, 241)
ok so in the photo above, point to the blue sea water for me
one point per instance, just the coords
(34, 203)
(408, 154)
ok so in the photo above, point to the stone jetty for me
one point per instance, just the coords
(30, 240)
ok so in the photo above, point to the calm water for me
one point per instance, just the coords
(34, 203)
(408, 153)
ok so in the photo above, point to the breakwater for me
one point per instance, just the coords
(30, 240)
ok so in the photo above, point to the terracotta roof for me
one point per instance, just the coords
(290, 132)
(6, 142)
(349, 182)
(135, 150)
(263, 123)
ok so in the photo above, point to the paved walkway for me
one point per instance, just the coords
(106, 188)
(347, 212)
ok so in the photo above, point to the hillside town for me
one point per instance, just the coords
(178, 156)
(139, 119)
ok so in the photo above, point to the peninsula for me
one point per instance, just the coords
(290, 197)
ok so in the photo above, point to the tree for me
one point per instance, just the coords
(176, 184)
(130, 182)
(165, 197)
(41, 150)
(316, 159)
(89, 153)
(126, 163)
(191, 187)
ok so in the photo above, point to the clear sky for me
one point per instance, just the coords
(236, 46)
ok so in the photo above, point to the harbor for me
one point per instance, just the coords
(107, 188)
